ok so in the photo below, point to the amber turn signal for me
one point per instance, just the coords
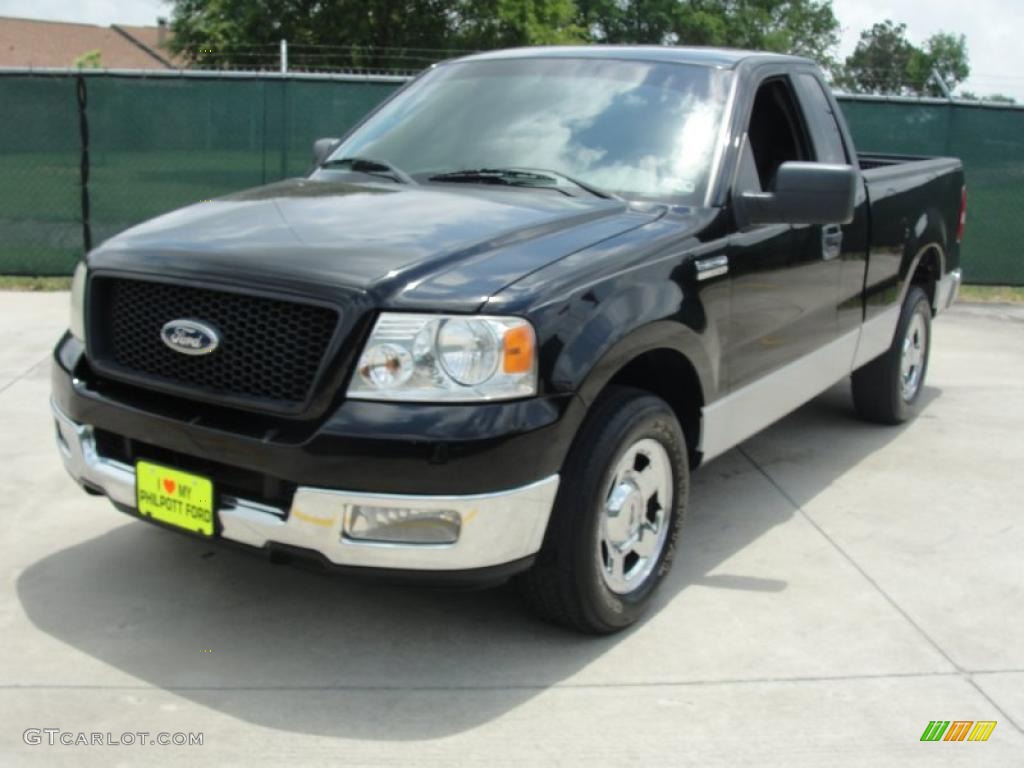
(518, 350)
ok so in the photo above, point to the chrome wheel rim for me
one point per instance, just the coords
(915, 347)
(635, 515)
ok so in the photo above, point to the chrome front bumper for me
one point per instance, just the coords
(496, 528)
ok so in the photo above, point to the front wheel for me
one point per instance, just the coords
(616, 521)
(888, 389)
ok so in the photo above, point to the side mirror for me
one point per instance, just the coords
(322, 149)
(803, 193)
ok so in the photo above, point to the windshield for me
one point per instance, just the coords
(639, 129)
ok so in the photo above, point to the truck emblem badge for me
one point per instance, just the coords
(190, 337)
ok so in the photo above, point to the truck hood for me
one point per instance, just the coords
(409, 246)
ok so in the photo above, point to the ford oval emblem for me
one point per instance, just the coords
(190, 337)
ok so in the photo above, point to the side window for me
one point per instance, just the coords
(828, 139)
(776, 133)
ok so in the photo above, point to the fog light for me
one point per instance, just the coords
(399, 525)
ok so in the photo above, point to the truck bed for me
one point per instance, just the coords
(914, 201)
(873, 161)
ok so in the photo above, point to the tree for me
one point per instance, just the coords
(407, 34)
(410, 34)
(803, 27)
(944, 55)
(89, 60)
(885, 61)
(487, 24)
(881, 61)
(617, 22)
(995, 98)
(246, 33)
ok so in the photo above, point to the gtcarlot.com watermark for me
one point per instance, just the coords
(57, 737)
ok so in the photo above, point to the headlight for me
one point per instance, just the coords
(413, 357)
(77, 322)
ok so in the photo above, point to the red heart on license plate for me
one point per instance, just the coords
(169, 485)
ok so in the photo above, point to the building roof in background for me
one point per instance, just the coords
(33, 43)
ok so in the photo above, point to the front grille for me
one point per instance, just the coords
(270, 350)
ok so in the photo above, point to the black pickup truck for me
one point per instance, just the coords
(494, 330)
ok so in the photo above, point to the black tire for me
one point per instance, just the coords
(566, 585)
(878, 391)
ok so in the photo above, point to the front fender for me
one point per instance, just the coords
(595, 334)
(660, 334)
(596, 310)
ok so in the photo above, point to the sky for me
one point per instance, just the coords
(992, 27)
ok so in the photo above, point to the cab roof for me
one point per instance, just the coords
(720, 58)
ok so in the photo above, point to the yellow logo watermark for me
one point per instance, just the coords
(958, 730)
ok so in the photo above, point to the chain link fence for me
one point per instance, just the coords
(149, 144)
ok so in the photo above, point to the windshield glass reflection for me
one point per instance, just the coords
(635, 128)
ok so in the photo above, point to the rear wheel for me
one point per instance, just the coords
(888, 389)
(616, 520)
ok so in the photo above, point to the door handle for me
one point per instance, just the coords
(831, 241)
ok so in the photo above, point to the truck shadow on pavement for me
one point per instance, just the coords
(288, 649)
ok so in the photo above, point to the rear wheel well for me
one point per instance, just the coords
(928, 273)
(669, 375)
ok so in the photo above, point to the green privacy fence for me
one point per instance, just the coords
(990, 141)
(40, 158)
(150, 143)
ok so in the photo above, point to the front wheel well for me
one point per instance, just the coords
(667, 374)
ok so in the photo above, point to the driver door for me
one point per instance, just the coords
(785, 279)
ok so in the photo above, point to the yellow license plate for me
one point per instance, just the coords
(174, 497)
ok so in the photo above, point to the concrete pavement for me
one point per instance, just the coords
(839, 586)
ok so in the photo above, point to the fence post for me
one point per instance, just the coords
(941, 82)
(83, 132)
(284, 56)
(285, 126)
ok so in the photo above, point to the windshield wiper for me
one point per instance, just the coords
(372, 167)
(519, 177)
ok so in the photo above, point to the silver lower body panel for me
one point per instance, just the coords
(947, 290)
